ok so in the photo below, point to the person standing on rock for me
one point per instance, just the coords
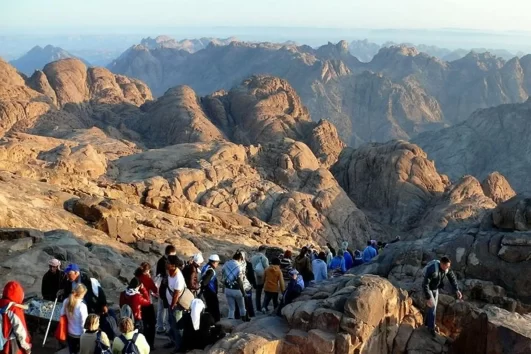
(95, 298)
(191, 273)
(260, 264)
(234, 287)
(209, 286)
(332, 249)
(358, 259)
(76, 312)
(52, 281)
(434, 274)
(285, 265)
(149, 317)
(163, 324)
(249, 281)
(304, 266)
(14, 328)
(369, 252)
(273, 281)
(176, 285)
(319, 268)
(349, 260)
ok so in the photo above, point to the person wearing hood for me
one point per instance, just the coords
(14, 328)
(52, 281)
(304, 266)
(369, 252)
(273, 281)
(234, 288)
(293, 290)
(260, 264)
(191, 273)
(209, 286)
(76, 312)
(358, 260)
(349, 260)
(135, 296)
(319, 268)
(149, 317)
(337, 265)
(95, 298)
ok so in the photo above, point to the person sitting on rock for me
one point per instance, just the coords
(191, 273)
(209, 286)
(337, 266)
(135, 296)
(52, 281)
(273, 281)
(349, 260)
(434, 274)
(358, 259)
(14, 328)
(293, 290)
(199, 327)
(304, 266)
(95, 298)
(369, 252)
(319, 268)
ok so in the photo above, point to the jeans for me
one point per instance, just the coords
(249, 307)
(235, 296)
(176, 332)
(74, 344)
(431, 311)
(163, 323)
(258, 296)
(268, 296)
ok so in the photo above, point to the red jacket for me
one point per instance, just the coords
(135, 300)
(149, 284)
(14, 318)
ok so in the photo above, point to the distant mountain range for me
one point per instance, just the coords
(189, 45)
(365, 50)
(38, 57)
(400, 93)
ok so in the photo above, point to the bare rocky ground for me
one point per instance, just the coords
(93, 171)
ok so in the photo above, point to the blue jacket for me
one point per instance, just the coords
(338, 262)
(349, 262)
(213, 283)
(319, 270)
(369, 253)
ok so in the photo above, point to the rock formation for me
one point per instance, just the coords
(38, 57)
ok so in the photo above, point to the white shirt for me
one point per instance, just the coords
(76, 321)
(175, 283)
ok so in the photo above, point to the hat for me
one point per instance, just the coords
(54, 263)
(72, 268)
(214, 258)
(198, 258)
(294, 272)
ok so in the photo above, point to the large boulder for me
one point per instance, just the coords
(514, 214)
(496, 187)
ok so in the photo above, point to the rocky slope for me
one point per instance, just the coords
(38, 57)
(494, 139)
(400, 93)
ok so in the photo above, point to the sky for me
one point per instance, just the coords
(128, 15)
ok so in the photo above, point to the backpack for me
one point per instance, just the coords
(425, 270)
(129, 345)
(259, 269)
(100, 347)
(3, 311)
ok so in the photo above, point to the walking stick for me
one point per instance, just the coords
(49, 322)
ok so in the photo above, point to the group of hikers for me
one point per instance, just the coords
(188, 308)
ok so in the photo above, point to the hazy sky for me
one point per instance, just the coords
(145, 14)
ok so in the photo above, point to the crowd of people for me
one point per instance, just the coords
(186, 294)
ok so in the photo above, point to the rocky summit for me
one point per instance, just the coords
(96, 171)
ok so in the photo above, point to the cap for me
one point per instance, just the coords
(214, 258)
(293, 272)
(72, 268)
(198, 258)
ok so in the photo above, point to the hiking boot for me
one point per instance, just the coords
(246, 318)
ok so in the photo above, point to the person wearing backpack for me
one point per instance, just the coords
(14, 335)
(234, 287)
(135, 296)
(260, 263)
(94, 341)
(434, 274)
(130, 341)
(209, 286)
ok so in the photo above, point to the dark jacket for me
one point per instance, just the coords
(94, 303)
(292, 292)
(434, 279)
(161, 266)
(51, 284)
(190, 272)
(249, 273)
(304, 266)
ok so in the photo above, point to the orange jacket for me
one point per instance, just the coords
(273, 277)
(14, 318)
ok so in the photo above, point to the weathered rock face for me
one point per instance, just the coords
(497, 188)
(514, 214)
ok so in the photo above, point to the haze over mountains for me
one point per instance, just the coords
(38, 57)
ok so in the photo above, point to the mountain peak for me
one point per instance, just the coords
(38, 57)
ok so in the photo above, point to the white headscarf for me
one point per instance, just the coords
(198, 258)
(197, 307)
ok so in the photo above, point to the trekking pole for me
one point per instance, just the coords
(49, 322)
